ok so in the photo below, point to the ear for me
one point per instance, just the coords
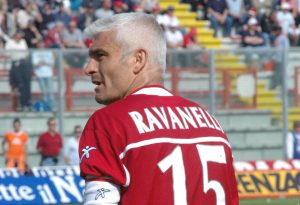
(140, 59)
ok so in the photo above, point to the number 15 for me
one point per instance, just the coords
(207, 153)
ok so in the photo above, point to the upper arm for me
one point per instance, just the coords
(98, 156)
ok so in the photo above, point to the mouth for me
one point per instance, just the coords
(97, 82)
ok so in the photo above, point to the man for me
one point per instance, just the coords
(71, 149)
(252, 37)
(281, 41)
(43, 62)
(293, 142)
(16, 151)
(218, 15)
(21, 71)
(49, 144)
(147, 146)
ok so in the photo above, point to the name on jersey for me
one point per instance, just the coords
(151, 119)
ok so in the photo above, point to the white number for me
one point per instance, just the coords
(207, 153)
(175, 161)
(216, 154)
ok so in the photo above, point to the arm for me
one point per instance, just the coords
(101, 192)
(3, 146)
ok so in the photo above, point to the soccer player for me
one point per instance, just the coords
(16, 149)
(147, 146)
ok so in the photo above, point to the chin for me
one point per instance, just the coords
(104, 101)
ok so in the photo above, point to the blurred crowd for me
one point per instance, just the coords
(254, 22)
(60, 23)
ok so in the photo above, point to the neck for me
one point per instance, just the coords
(144, 78)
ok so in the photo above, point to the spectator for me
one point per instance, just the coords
(252, 37)
(236, 12)
(49, 145)
(174, 36)
(32, 35)
(16, 151)
(264, 7)
(105, 10)
(218, 15)
(53, 38)
(190, 39)
(21, 70)
(31, 13)
(169, 19)
(43, 63)
(285, 18)
(73, 38)
(120, 7)
(62, 15)
(94, 3)
(71, 148)
(148, 5)
(281, 41)
(158, 16)
(48, 18)
(293, 142)
(86, 17)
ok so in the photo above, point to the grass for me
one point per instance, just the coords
(274, 201)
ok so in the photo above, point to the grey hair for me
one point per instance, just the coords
(134, 30)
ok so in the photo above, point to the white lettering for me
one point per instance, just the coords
(13, 191)
(43, 194)
(5, 194)
(215, 122)
(243, 166)
(162, 115)
(280, 164)
(152, 120)
(26, 193)
(296, 164)
(198, 117)
(138, 120)
(66, 186)
(261, 165)
(175, 120)
(205, 118)
(186, 117)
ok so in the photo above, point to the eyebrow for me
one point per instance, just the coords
(93, 52)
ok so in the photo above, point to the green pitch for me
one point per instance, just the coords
(275, 201)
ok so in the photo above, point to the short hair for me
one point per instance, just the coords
(77, 127)
(16, 120)
(50, 119)
(134, 30)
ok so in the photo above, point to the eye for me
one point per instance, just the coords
(99, 55)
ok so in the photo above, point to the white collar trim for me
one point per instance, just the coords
(153, 91)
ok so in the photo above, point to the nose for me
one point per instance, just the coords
(91, 67)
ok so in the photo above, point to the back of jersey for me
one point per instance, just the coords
(176, 153)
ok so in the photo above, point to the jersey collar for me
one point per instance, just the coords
(152, 90)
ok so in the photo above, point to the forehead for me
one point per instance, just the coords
(105, 41)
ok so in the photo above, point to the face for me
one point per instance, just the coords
(52, 125)
(77, 132)
(110, 68)
(17, 126)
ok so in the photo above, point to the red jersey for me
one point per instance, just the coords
(50, 144)
(160, 149)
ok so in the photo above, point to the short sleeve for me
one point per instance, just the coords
(98, 157)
